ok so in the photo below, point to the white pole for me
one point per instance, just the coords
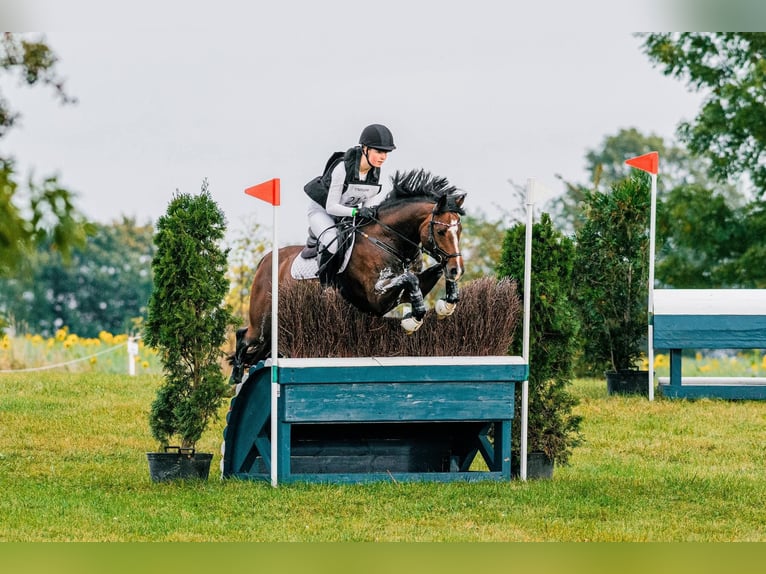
(525, 342)
(274, 347)
(650, 340)
(132, 354)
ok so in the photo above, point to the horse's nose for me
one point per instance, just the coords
(454, 272)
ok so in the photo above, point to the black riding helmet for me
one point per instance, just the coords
(378, 137)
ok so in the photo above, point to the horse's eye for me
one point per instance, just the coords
(441, 232)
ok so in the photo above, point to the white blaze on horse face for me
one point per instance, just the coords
(453, 239)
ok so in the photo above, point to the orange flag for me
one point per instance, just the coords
(648, 162)
(267, 191)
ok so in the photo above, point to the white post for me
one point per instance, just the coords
(132, 354)
(525, 342)
(650, 340)
(274, 347)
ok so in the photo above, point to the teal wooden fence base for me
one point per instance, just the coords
(709, 319)
(735, 388)
(361, 420)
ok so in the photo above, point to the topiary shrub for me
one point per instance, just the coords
(187, 320)
(612, 275)
(552, 426)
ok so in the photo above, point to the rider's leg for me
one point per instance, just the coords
(323, 226)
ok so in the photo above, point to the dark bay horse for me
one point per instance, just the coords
(385, 268)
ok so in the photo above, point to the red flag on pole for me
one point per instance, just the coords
(648, 162)
(267, 191)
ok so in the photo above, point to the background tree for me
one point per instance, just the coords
(729, 132)
(730, 129)
(39, 212)
(481, 243)
(606, 166)
(105, 287)
(246, 249)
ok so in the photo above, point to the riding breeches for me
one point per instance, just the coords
(322, 225)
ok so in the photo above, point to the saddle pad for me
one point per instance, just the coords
(309, 268)
(305, 268)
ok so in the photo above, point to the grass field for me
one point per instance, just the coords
(73, 468)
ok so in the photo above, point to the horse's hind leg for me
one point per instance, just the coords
(237, 359)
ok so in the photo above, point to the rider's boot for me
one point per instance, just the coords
(310, 250)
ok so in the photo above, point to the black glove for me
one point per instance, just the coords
(367, 212)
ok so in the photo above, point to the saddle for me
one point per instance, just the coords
(329, 265)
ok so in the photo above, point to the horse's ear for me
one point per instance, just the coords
(459, 199)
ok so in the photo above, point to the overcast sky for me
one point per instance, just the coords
(240, 92)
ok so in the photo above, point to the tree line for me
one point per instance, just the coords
(58, 269)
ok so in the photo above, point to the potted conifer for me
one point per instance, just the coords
(553, 429)
(611, 282)
(187, 322)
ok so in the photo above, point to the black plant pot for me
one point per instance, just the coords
(627, 382)
(539, 465)
(178, 463)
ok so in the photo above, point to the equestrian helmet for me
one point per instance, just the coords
(377, 136)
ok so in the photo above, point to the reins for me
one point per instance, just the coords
(432, 249)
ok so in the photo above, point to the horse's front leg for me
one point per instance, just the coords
(426, 280)
(409, 284)
(445, 307)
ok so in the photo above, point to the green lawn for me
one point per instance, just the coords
(73, 468)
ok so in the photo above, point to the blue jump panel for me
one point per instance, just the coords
(361, 420)
(709, 319)
(709, 331)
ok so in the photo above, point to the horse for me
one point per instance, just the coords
(421, 214)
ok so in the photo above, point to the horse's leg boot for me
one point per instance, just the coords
(444, 308)
(410, 324)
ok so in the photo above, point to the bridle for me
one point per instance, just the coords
(434, 250)
(431, 248)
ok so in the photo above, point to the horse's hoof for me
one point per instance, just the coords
(410, 324)
(444, 308)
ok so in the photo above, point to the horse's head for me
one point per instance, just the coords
(440, 234)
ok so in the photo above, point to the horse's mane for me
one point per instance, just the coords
(421, 185)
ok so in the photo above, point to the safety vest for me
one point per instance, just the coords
(318, 188)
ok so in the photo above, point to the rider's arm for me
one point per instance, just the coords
(334, 206)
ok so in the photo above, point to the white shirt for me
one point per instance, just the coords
(333, 205)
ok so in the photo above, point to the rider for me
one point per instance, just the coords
(332, 198)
